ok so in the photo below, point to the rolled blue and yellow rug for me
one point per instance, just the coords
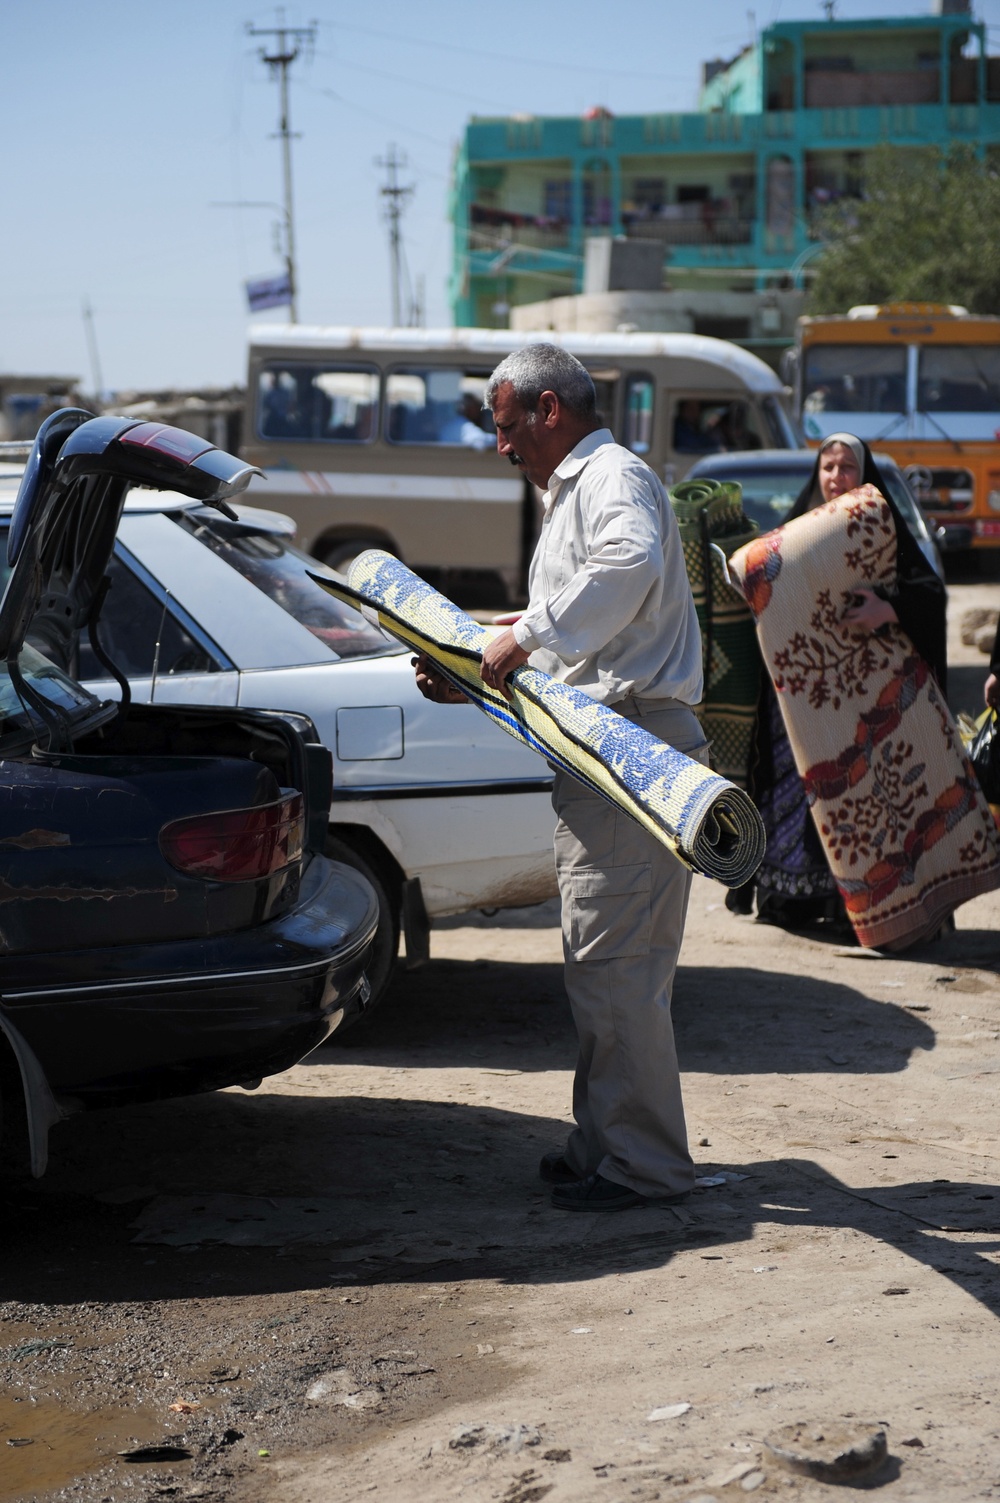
(708, 823)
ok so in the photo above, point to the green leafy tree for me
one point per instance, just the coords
(927, 230)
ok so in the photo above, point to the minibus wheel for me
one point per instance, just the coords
(341, 555)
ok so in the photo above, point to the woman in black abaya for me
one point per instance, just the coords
(794, 885)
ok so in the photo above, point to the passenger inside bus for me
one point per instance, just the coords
(706, 427)
(306, 402)
(438, 406)
(465, 426)
(282, 413)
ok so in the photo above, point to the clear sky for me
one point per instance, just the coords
(125, 121)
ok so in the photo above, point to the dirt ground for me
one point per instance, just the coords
(351, 1281)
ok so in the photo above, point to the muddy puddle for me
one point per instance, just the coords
(44, 1446)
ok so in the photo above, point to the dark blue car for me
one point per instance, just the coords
(167, 922)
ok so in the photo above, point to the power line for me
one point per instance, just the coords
(522, 62)
(384, 120)
(290, 40)
(428, 84)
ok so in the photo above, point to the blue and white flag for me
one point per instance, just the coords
(269, 292)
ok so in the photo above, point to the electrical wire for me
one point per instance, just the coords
(394, 124)
(417, 83)
(549, 64)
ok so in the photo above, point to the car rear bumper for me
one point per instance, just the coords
(140, 1022)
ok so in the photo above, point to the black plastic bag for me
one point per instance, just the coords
(984, 754)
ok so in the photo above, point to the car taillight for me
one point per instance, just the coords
(237, 845)
(174, 443)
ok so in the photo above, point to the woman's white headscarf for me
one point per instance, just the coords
(849, 441)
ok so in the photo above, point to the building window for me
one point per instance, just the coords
(649, 194)
(780, 197)
(557, 199)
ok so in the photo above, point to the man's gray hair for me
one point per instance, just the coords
(545, 367)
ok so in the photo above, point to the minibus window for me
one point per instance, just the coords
(317, 404)
(639, 392)
(714, 426)
(438, 406)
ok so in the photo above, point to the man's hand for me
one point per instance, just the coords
(433, 685)
(503, 655)
(991, 691)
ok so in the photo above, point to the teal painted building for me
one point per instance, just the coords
(730, 191)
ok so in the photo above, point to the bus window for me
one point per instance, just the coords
(710, 426)
(317, 404)
(780, 430)
(959, 378)
(639, 413)
(438, 406)
(854, 378)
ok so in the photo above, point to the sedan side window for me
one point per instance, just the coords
(133, 623)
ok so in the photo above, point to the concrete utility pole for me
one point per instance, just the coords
(95, 364)
(289, 42)
(395, 196)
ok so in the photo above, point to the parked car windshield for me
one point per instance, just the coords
(272, 563)
(769, 491)
(767, 494)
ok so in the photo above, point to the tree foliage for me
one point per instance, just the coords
(927, 230)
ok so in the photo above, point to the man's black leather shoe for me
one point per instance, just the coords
(554, 1170)
(595, 1193)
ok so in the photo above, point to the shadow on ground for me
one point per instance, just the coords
(226, 1195)
(501, 1014)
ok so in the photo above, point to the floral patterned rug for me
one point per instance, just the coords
(897, 805)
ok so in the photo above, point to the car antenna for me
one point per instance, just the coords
(156, 652)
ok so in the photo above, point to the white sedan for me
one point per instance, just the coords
(440, 810)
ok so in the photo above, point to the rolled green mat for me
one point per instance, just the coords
(708, 823)
(712, 522)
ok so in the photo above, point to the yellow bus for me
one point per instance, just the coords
(378, 437)
(922, 382)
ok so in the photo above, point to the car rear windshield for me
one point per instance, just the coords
(273, 563)
(60, 691)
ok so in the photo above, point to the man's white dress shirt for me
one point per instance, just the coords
(610, 608)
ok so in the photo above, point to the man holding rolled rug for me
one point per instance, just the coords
(610, 611)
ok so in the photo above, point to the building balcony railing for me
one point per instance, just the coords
(707, 229)
(495, 228)
(559, 139)
(500, 236)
